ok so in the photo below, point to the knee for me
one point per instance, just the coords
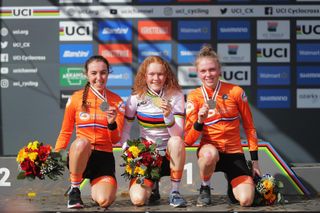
(245, 200)
(138, 200)
(81, 145)
(209, 158)
(104, 201)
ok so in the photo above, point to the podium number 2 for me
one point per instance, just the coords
(5, 177)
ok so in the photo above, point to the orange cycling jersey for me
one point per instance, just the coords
(92, 124)
(222, 126)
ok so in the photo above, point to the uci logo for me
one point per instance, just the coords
(22, 12)
(277, 52)
(77, 30)
(310, 29)
(237, 75)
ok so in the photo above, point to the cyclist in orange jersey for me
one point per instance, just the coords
(98, 115)
(214, 111)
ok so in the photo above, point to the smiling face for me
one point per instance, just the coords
(97, 73)
(208, 71)
(155, 76)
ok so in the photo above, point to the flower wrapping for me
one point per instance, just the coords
(267, 191)
(141, 161)
(37, 160)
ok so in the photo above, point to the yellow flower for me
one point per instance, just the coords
(22, 155)
(134, 150)
(128, 169)
(129, 160)
(33, 145)
(139, 170)
(268, 185)
(33, 156)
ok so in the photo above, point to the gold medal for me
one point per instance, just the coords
(156, 101)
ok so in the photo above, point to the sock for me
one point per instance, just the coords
(75, 180)
(175, 186)
(205, 182)
(175, 177)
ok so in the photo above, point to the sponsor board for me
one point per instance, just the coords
(273, 75)
(120, 76)
(75, 53)
(154, 30)
(273, 30)
(158, 11)
(234, 53)
(116, 53)
(115, 30)
(194, 30)
(72, 76)
(308, 98)
(273, 52)
(308, 30)
(64, 96)
(233, 29)
(308, 52)
(75, 31)
(273, 98)
(188, 52)
(163, 50)
(187, 76)
(239, 75)
(308, 75)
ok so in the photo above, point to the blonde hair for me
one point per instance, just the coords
(207, 52)
(140, 86)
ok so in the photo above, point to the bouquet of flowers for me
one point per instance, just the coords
(267, 190)
(38, 160)
(142, 160)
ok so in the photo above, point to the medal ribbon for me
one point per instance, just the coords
(155, 93)
(215, 93)
(98, 94)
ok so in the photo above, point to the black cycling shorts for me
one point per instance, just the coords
(100, 163)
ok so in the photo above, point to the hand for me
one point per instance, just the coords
(255, 168)
(111, 114)
(203, 113)
(166, 107)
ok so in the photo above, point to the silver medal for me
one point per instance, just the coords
(104, 106)
(211, 103)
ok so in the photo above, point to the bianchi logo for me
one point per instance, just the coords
(77, 54)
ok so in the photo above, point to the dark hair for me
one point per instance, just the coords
(86, 87)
